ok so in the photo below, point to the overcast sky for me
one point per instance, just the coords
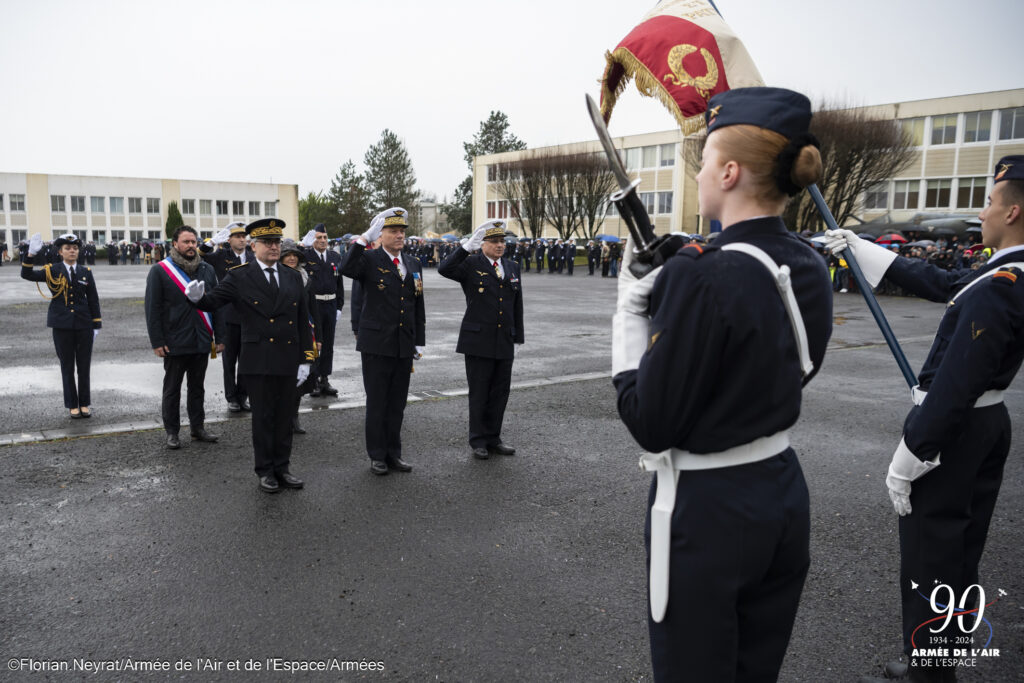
(254, 90)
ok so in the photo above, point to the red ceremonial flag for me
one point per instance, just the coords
(682, 52)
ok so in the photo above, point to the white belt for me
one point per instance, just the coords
(989, 398)
(667, 466)
(326, 297)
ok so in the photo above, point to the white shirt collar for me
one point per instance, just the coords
(264, 266)
(1002, 253)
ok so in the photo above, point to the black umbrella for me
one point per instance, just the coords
(973, 229)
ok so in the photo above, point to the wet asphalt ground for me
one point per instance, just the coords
(516, 568)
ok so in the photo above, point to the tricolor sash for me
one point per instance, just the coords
(179, 278)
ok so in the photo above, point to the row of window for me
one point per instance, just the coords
(17, 202)
(59, 204)
(100, 236)
(938, 194)
(977, 126)
(662, 201)
(206, 206)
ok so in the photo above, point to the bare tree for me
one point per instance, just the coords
(525, 184)
(595, 182)
(562, 208)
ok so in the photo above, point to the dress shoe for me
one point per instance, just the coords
(481, 453)
(269, 484)
(296, 427)
(244, 404)
(203, 435)
(399, 464)
(501, 449)
(326, 389)
(233, 407)
(288, 481)
(378, 467)
(86, 413)
(172, 442)
(316, 391)
(76, 415)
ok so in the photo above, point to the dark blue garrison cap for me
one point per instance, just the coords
(1010, 168)
(784, 111)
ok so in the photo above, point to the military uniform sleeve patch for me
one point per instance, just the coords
(240, 265)
(1007, 276)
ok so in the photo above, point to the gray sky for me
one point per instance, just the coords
(254, 90)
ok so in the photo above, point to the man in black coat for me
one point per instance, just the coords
(570, 256)
(224, 258)
(277, 346)
(541, 248)
(324, 268)
(491, 331)
(184, 337)
(391, 332)
(555, 257)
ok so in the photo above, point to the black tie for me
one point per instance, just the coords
(273, 280)
(71, 269)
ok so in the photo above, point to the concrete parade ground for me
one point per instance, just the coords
(519, 568)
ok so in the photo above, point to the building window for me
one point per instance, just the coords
(57, 203)
(99, 236)
(205, 235)
(17, 202)
(938, 194)
(19, 235)
(188, 207)
(650, 156)
(222, 207)
(502, 210)
(153, 235)
(978, 126)
(492, 173)
(648, 201)
(237, 208)
(77, 204)
(914, 128)
(117, 205)
(134, 236)
(205, 207)
(664, 202)
(97, 205)
(944, 129)
(1, 202)
(81, 234)
(152, 205)
(1011, 123)
(135, 205)
(877, 196)
(269, 208)
(905, 194)
(491, 206)
(633, 158)
(613, 209)
(116, 235)
(668, 154)
(970, 193)
(254, 208)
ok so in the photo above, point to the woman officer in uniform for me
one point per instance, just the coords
(710, 354)
(74, 315)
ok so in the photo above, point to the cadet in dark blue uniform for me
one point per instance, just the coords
(74, 316)
(391, 332)
(324, 268)
(945, 474)
(709, 370)
(277, 346)
(223, 258)
(539, 253)
(491, 330)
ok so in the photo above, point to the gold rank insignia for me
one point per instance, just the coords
(1003, 169)
(482, 273)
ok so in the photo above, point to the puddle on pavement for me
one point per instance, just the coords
(142, 379)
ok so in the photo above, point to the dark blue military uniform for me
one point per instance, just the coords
(539, 252)
(570, 257)
(328, 287)
(391, 326)
(222, 260)
(492, 325)
(73, 314)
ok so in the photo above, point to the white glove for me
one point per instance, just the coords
(194, 290)
(874, 259)
(516, 348)
(221, 237)
(376, 226)
(473, 242)
(307, 239)
(35, 243)
(303, 373)
(420, 350)
(905, 468)
(337, 317)
(95, 333)
(630, 324)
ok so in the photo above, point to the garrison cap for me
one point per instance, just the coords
(266, 229)
(786, 112)
(319, 227)
(67, 238)
(1010, 168)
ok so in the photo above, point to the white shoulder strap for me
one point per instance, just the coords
(990, 273)
(782, 281)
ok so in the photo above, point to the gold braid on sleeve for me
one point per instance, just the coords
(57, 285)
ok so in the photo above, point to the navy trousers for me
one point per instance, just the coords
(490, 380)
(234, 388)
(273, 407)
(386, 382)
(74, 349)
(325, 335)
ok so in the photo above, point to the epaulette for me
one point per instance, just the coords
(240, 265)
(694, 250)
(1007, 276)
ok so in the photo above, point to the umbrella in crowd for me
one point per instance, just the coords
(866, 236)
(973, 229)
(607, 238)
(890, 238)
(450, 238)
(920, 243)
(525, 239)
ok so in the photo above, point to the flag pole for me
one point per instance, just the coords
(865, 289)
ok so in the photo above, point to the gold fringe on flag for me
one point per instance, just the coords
(623, 66)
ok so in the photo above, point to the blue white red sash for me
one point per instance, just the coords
(179, 278)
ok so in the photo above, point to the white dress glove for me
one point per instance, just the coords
(473, 242)
(905, 468)
(307, 239)
(35, 243)
(516, 348)
(420, 350)
(221, 237)
(303, 373)
(630, 324)
(874, 259)
(376, 226)
(337, 317)
(194, 290)
(95, 333)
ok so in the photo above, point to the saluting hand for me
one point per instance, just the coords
(307, 239)
(221, 237)
(35, 243)
(474, 241)
(376, 227)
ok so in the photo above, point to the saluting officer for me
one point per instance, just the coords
(391, 332)
(709, 360)
(277, 346)
(491, 332)
(324, 268)
(223, 259)
(74, 315)
(945, 474)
